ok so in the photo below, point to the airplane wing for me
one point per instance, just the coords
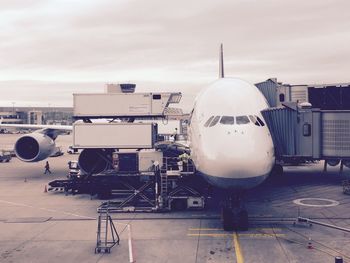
(38, 145)
(36, 126)
(50, 130)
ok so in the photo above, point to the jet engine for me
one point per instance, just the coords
(346, 163)
(94, 161)
(34, 147)
(333, 162)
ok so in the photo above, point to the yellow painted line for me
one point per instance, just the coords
(209, 235)
(205, 229)
(220, 229)
(262, 235)
(267, 229)
(227, 235)
(237, 247)
(206, 215)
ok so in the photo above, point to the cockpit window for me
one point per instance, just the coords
(260, 121)
(214, 121)
(230, 120)
(208, 121)
(242, 120)
(227, 120)
(254, 120)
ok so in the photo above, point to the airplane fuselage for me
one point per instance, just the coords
(231, 146)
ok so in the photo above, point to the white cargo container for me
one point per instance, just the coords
(123, 104)
(114, 135)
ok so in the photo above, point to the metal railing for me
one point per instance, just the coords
(178, 164)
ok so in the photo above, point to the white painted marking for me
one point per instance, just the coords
(131, 256)
(306, 202)
(46, 209)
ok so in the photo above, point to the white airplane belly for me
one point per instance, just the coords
(234, 183)
(236, 173)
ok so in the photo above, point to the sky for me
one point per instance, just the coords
(50, 49)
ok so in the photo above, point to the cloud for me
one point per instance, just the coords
(174, 43)
(8, 5)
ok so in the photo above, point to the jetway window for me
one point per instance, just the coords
(307, 129)
(281, 97)
(214, 121)
(242, 120)
(227, 120)
(208, 121)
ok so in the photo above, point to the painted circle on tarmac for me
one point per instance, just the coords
(315, 202)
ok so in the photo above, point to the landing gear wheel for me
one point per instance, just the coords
(277, 170)
(227, 219)
(243, 222)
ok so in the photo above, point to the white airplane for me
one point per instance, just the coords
(231, 147)
(230, 144)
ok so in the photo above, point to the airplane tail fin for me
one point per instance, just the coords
(221, 62)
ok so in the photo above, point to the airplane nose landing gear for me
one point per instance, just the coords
(227, 218)
(234, 215)
(243, 222)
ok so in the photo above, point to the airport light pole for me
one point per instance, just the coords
(49, 113)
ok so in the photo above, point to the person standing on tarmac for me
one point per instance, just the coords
(47, 168)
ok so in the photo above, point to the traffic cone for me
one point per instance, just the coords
(45, 190)
(309, 244)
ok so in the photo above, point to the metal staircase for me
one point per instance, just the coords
(163, 182)
(107, 235)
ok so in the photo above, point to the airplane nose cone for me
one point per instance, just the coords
(237, 156)
(235, 163)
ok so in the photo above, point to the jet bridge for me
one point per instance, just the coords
(303, 133)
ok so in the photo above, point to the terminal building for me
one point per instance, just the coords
(37, 115)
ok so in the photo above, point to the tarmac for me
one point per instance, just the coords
(36, 226)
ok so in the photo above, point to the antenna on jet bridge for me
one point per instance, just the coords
(221, 62)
